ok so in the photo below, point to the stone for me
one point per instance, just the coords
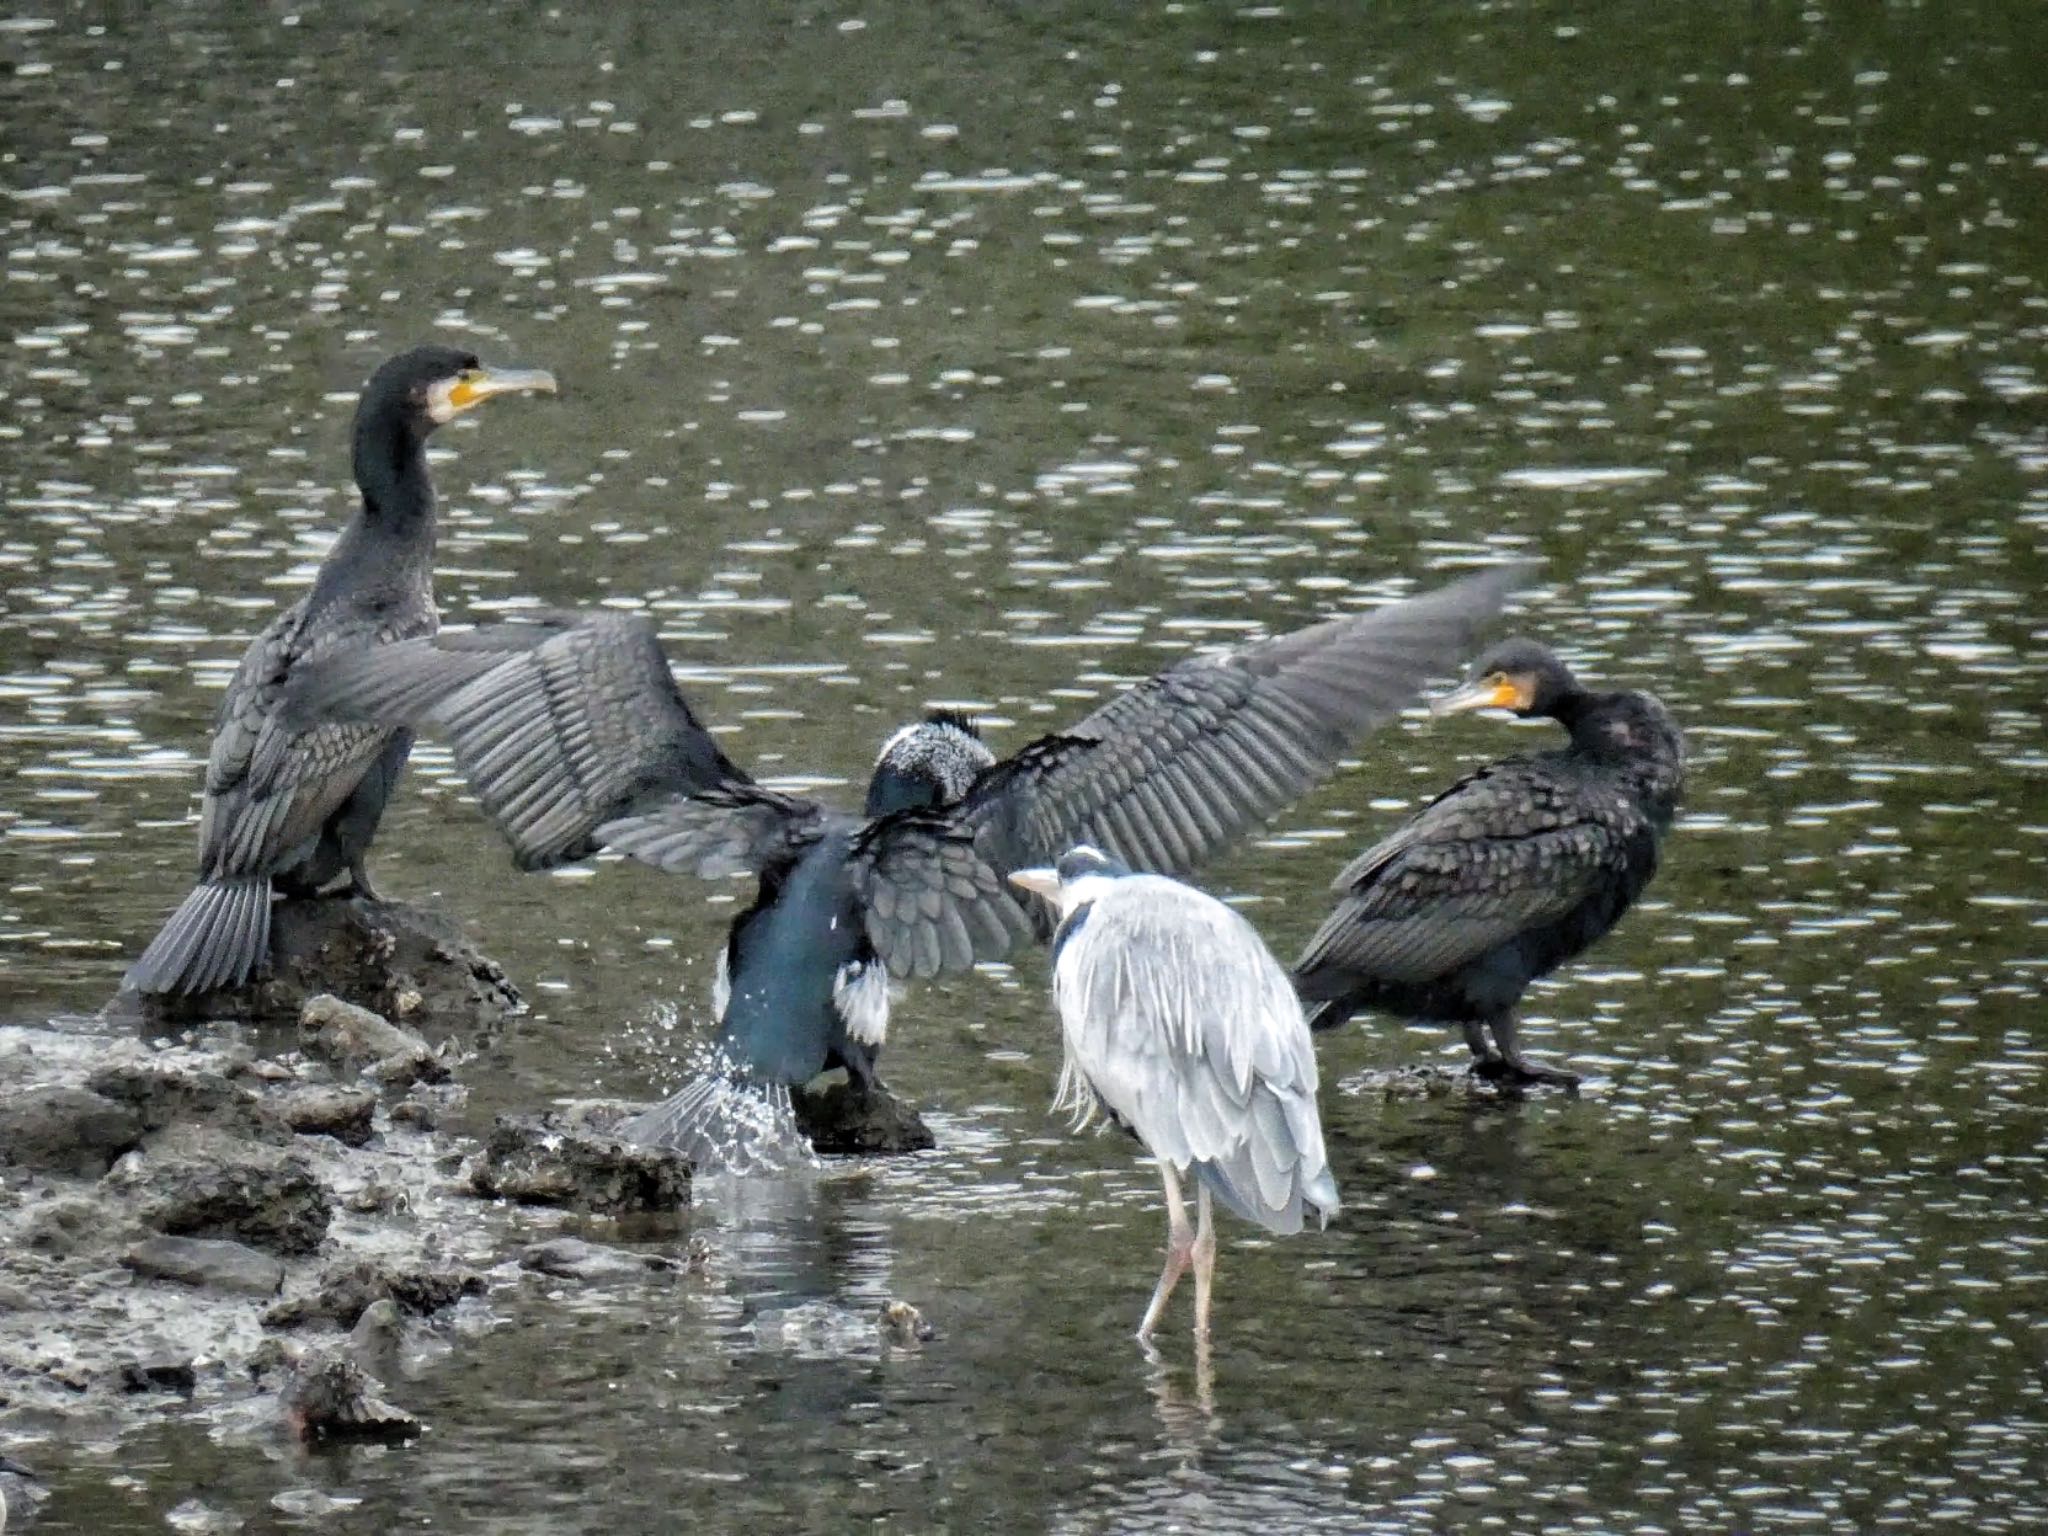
(72, 1132)
(346, 1291)
(354, 1039)
(330, 1398)
(543, 1160)
(841, 1118)
(400, 961)
(903, 1326)
(196, 1185)
(159, 1371)
(217, 1265)
(183, 1089)
(571, 1258)
(346, 1114)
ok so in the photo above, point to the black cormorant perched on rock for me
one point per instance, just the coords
(575, 734)
(288, 810)
(1510, 872)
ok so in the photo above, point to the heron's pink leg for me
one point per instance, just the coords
(1204, 1256)
(1180, 1242)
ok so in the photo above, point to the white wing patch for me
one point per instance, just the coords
(721, 985)
(860, 992)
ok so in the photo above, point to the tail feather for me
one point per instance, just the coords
(725, 1123)
(218, 937)
(1328, 1015)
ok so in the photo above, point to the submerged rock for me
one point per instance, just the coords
(21, 1495)
(330, 1397)
(547, 1160)
(841, 1118)
(402, 961)
(903, 1325)
(220, 1266)
(571, 1258)
(66, 1131)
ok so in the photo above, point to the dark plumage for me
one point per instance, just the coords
(1510, 872)
(582, 734)
(289, 809)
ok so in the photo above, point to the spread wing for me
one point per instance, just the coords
(560, 723)
(272, 778)
(1512, 847)
(1167, 773)
(931, 901)
(730, 829)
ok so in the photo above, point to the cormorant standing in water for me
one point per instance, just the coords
(571, 732)
(289, 809)
(1510, 872)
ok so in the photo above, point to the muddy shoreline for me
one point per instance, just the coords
(203, 1207)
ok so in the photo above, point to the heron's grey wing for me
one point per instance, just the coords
(1184, 1025)
(726, 830)
(1167, 773)
(1503, 850)
(273, 780)
(931, 901)
(560, 724)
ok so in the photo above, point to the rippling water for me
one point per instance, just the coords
(991, 356)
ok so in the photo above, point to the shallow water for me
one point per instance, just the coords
(992, 355)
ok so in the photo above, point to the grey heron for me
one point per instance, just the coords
(1182, 1027)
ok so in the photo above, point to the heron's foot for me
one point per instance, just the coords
(359, 885)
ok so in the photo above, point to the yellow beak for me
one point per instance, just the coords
(1482, 693)
(1040, 882)
(479, 384)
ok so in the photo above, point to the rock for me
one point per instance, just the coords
(182, 1088)
(21, 1494)
(68, 1131)
(220, 1266)
(402, 961)
(343, 1113)
(354, 1039)
(377, 1339)
(570, 1258)
(71, 1225)
(543, 1160)
(332, 1398)
(903, 1325)
(202, 1185)
(159, 1371)
(345, 1292)
(841, 1118)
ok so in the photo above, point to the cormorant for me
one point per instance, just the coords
(1510, 872)
(1179, 1023)
(570, 730)
(288, 810)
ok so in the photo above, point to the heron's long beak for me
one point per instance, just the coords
(1040, 882)
(1491, 692)
(479, 384)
